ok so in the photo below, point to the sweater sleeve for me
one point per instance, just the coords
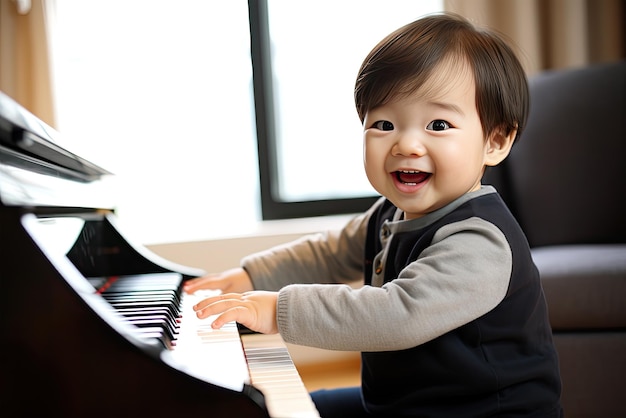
(327, 257)
(464, 274)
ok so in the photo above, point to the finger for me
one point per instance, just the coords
(213, 299)
(190, 286)
(237, 313)
(217, 307)
(206, 282)
(206, 302)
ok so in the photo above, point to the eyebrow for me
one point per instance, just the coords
(448, 106)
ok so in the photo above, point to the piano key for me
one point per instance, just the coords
(152, 321)
(273, 372)
(223, 356)
(150, 302)
(215, 356)
(147, 303)
(130, 313)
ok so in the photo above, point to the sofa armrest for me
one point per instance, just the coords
(585, 285)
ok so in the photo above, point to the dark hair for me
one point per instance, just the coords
(403, 61)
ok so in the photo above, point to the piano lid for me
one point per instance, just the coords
(28, 142)
(35, 171)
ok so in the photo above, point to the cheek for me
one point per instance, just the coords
(459, 162)
(373, 154)
(374, 161)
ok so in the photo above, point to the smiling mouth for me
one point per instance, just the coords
(410, 177)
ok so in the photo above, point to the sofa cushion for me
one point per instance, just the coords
(585, 285)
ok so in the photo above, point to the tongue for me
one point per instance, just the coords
(412, 177)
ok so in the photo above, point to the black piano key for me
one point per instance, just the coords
(128, 312)
(155, 321)
(146, 282)
(149, 302)
(167, 301)
(166, 293)
(173, 312)
(171, 323)
(142, 298)
(154, 333)
(173, 307)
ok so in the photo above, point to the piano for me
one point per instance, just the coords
(96, 325)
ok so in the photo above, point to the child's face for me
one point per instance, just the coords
(425, 150)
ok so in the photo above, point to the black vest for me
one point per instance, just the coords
(501, 363)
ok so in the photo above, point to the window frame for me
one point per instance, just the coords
(272, 208)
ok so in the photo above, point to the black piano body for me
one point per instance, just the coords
(65, 351)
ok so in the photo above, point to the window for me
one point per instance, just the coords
(162, 94)
(311, 137)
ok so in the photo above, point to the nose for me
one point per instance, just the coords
(409, 144)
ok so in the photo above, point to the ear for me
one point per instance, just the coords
(498, 146)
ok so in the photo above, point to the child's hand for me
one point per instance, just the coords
(234, 280)
(256, 310)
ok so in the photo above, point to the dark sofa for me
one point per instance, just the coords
(565, 181)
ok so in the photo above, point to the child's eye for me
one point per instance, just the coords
(383, 125)
(438, 125)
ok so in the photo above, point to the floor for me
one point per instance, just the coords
(331, 375)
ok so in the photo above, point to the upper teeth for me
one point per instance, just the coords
(409, 171)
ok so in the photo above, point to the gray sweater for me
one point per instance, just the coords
(463, 275)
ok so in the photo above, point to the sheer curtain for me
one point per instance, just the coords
(553, 34)
(24, 58)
